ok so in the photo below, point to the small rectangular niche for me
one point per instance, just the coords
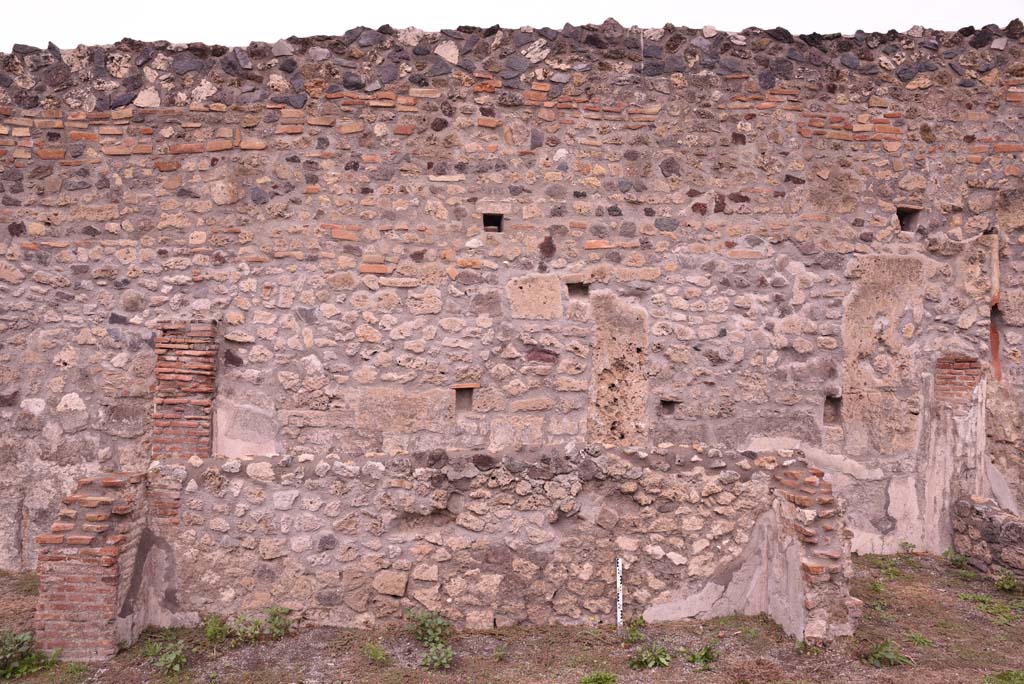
(493, 223)
(464, 397)
(910, 218)
(833, 412)
(578, 290)
(667, 407)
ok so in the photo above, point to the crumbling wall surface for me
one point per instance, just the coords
(795, 566)
(1005, 399)
(509, 537)
(949, 461)
(618, 407)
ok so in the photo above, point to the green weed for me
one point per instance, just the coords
(216, 630)
(19, 657)
(650, 656)
(886, 654)
(600, 677)
(702, 657)
(967, 575)
(375, 653)
(1002, 612)
(277, 625)
(635, 630)
(439, 656)
(919, 640)
(1006, 677)
(168, 657)
(429, 627)
(957, 560)
(1007, 582)
(246, 629)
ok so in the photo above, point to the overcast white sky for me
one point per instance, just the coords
(69, 23)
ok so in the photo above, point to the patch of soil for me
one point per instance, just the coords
(18, 594)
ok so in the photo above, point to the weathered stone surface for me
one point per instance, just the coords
(618, 387)
(148, 97)
(1010, 209)
(1011, 304)
(10, 273)
(270, 549)
(246, 429)
(448, 51)
(226, 192)
(390, 582)
(260, 471)
(534, 296)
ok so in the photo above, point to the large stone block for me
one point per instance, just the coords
(514, 431)
(245, 429)
(394, 410)
(535, 296)
(390, 582)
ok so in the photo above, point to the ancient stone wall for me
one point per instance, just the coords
(991, 537)
(521, 536)
(495, 242)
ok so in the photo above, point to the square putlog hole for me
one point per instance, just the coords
(463, 399)
(909, 217)
(578, 290)
(667, 407)
(493, 223)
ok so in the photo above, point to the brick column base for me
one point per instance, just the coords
(85, 567)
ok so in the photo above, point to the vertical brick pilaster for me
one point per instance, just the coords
(186, 371)
(182, 407)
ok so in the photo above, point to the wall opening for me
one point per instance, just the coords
(493, 223)
(667, 407)
(910, 218)
(833, 410)
(578, 290)
(463, 399)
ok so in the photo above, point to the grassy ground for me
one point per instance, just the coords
(950, 625)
